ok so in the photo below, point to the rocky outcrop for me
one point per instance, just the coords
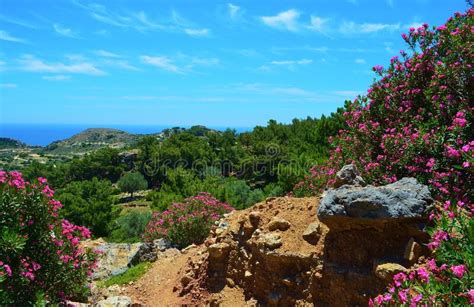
(281, 253)
(116, 258)
(372, 232)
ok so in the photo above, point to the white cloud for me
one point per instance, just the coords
(293, 62)
(57, 78)
(64, 31)
(8, 85)
(5, 36)
(317, 23)
(31, 63)
(364, 28)
(162, 62)
(119, 64)
(106, 54)
(359, 61)
(234, 11)
(197, 32)
(287, 20)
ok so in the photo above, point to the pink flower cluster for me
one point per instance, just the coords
(187, 222)
(50, 245)
(417, 121)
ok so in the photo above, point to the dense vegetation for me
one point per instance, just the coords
(239, 169)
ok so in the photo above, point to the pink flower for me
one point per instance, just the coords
(471, 295)
(415, 300)
(399, 278)
(402, 295)
(458, 270)
(441, 28)
(452, 153)
(42, 180)
(423, 274)
(466, 164)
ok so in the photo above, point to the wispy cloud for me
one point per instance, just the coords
(140, 21)
(119, 64)
(64, 31)
(57, 78)
(106, 54)
(317, 24)
(293, 62)
(161, 62)
(197, 32)
(287, 20)
(5, 36)
(350, 27)
(234, 11)
(8, 85)
(18, 22)
(180, 63)
(33, 64)
(359, 61)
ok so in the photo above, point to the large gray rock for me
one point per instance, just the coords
(404, 199)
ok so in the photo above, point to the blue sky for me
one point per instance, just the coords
(215, 63)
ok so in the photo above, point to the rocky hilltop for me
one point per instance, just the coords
(91, 139)
(339, 249)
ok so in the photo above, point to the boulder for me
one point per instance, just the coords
(349, 174)
(404, 199)
(278, 224)
(312, 233)
(116, 258)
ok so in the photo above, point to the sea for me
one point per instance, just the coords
(44, 134)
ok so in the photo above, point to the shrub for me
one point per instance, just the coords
(132, 182)
(89, 203)
(417, 121)
(188, 222)
(40, 257)
(130, 227)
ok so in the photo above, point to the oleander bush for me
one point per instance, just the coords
(417, 121)
(40, 256)
(187, 222)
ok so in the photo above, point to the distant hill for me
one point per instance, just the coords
(92, 139)
(95, 138)
(10, 143)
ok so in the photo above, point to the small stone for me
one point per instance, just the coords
(312, 233)
(271, 240)
(349, 174)
(230, 282)
(254, 218)
(247, 274)
(218, 250)
(287, 282)
(185, 280)
(278, 224)
(386, 271)
(413, 251)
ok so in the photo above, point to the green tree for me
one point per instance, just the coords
(132, 182)
(89, 203)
